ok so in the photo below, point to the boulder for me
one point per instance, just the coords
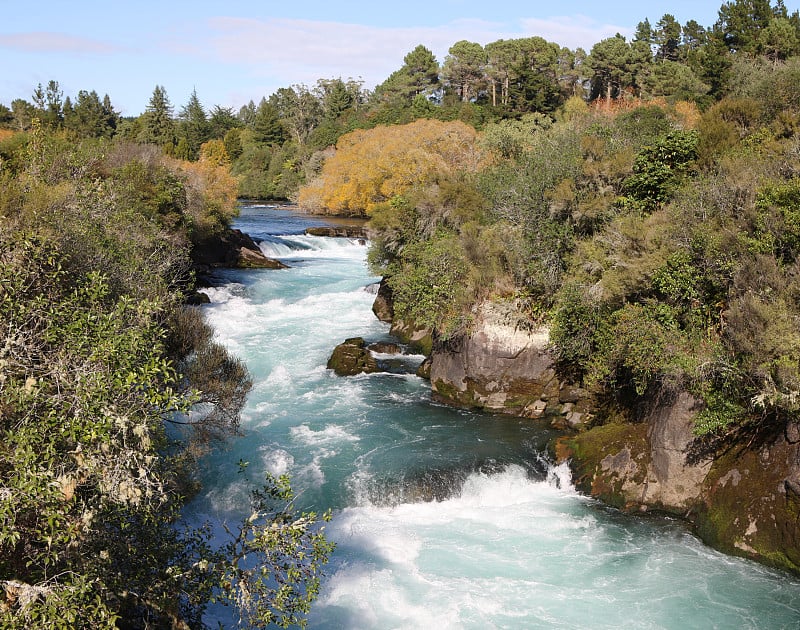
(351, 357)
(233, 248)
(384, 347)
(383, 304)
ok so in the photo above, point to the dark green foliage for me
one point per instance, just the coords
(157, 126)
(657, 169)
(193, 128)
(431, 287)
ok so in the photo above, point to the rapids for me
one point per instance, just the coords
(443, 518)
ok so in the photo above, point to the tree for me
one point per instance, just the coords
(299, 110)
(534, 86)
(673, 80)
(422, 69)
(23, 113)
(193, 127)
(373, 166)
(740, 23)
(668, 38)
(612, 68)
(158, 126)
(644, 32)
(779, 40)
(89, 117)
(48, 102)
(221, 120)
(464, 69)
(247, 114)
(419, 74)
(267, 126)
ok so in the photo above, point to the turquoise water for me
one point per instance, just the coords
(443, 518)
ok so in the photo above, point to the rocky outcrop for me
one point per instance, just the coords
(232, 249)
(743, 500)
(383, 306)
(504, 368)
(347, 231)
(352, 357)
(643, 465)
(420, 339)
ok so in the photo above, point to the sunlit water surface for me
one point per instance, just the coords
(443, 518)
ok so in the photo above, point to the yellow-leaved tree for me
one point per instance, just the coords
(372, 166)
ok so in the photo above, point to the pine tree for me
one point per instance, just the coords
(157, 125)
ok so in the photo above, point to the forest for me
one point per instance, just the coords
(642, 199)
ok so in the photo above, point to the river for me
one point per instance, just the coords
(443, 518)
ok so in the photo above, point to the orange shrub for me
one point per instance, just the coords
(372, 166)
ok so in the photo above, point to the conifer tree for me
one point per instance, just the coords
(157, 125)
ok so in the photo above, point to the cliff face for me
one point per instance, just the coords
(502, 368)
(743, 500)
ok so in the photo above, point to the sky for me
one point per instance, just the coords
(240, 50)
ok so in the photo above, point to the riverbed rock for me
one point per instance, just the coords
(232, 248)
(345, 231)
(502, 367)
(352, 357)
(385, 347)
(383, 306)
(743, 499)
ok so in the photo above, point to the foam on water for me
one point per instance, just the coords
(443, 518)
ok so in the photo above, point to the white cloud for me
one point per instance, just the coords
(572, 32)
(55, 42)
(302, 51)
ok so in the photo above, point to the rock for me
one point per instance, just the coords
(252, 259)
(233, 248)
(499, 366)
(351, 357)
(346, 231)
(197, 298)
(675, 481)
(659, 471)
(384, 347)
(420, 339)
(424, 370)
(383, 306)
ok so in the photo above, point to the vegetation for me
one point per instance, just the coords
(653, 230)
(641, 199)
(99, 357)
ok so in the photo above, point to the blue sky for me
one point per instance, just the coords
(235, 51)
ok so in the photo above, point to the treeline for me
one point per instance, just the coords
(656, 237)
(279, 143)
(112, 388)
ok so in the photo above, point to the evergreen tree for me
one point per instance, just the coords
(89, 117)
(422, 69)
(157, 125)
(194, 127)
(221, 120)
(49, 104)
(267, 126)
(464, 69)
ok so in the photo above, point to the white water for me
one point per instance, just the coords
(506, 544)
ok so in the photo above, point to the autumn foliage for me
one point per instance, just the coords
(372, 166)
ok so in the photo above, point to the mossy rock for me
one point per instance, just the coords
(751, 508)
(351, 358)
(609, 461)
